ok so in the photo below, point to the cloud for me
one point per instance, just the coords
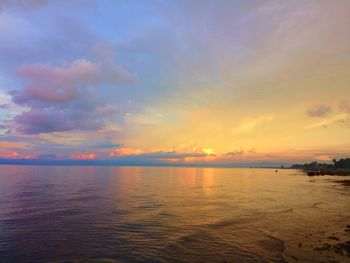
(339, 118)
(48, 120)
(342, 119)
(22, 4)
(66, 98)
(8, 109)
(148, 117)
(24, 40)
(319, 111)
(250, 125)
(107, 145)
(61, 84)
(84, 156)
(345, 106)
(124, 152)
(235, 153)
(47, 156)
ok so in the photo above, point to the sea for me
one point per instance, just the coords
(171, 214)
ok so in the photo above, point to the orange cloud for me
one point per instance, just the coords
(84, 156)
(16, 155)
(12, 155)
(124, 152)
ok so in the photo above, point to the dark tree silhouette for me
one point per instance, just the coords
(313, 166)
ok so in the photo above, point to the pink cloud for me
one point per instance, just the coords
(63, 98)
(84, 156)
(60, 84)
(16, 155)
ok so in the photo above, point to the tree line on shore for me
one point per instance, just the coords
(313, 166)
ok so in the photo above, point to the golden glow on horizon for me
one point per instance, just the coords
(275, 86)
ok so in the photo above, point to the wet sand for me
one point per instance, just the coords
(344, 182)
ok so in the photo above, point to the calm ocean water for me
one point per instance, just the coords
(162, 214)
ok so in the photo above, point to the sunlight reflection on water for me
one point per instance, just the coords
(163, 214)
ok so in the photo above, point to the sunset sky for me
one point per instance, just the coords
(165, 81)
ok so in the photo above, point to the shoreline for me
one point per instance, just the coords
(344, 182)
(331, 172)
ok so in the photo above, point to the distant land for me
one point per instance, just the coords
(125, 162)
(340, 167)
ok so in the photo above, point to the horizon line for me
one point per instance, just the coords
(101, 162)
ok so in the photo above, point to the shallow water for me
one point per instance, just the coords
(162, 214)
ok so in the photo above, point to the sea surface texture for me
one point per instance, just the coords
(162, 214)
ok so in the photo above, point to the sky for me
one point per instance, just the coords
(199, 81)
